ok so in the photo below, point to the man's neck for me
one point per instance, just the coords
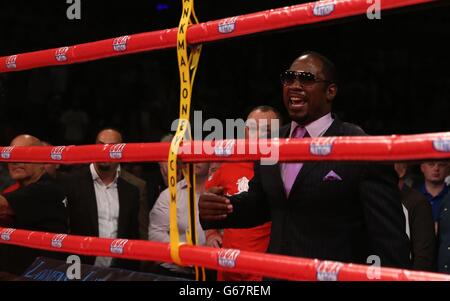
(32, 179)
(200, 184)
(434, 189)
(108, 176)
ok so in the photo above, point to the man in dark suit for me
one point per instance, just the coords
(101, 203)
(35, 203)
(327, 210)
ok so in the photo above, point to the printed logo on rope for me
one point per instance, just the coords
(56, 153)
(228, 25)
(321, 147)
(11, 62)
(224, 148)
(115, 152)
(57, 240)
(218, 144)
(120, 43)
(227, 257)
(6, 234)
(117, 246)
(61, 54)
(323, 8)
(6, 152)
(328, 270)
(441, 145)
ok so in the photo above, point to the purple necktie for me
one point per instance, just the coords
(289, 171)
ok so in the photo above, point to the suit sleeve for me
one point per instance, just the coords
(422, 236)
(143, 212)
(385, 220)
(134, 228)
(250, 209)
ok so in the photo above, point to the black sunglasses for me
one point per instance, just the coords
(289, 77)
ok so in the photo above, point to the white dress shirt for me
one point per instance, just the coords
(107, 198)
(158, 229)
(316, 128)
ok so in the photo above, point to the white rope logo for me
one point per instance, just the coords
(11, 62)
(120, 43)
(328, 270)
(116, 150)
(56, 153)
(442, 145)
(57, 240)
(6, 152)
(323, 8)
(117, 246)
(322, 147)
(61, 54)
(228, 25)
(227, 257)
(6, 234)
(224, 148)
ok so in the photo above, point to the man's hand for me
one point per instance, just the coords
(213, 238)
(213, 206)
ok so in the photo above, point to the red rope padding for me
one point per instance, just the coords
(276, 266)
(367, 148)
(268, 20)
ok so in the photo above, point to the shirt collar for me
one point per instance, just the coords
(96, 177)
(424, 190)
(316, 128)
(183, 184)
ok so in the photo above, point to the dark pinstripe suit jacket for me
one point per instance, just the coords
(345, 220)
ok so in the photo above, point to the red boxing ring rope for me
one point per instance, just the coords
(268, 20)
(284, 267)
(381, 148)
(366, 148)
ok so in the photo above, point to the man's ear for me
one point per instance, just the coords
(331, 91)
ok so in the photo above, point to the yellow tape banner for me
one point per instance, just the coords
(187, 68)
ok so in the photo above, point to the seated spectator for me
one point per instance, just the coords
(434, 188)
(103, 204)
(158, 177)
(159, 220)
(234, 178)
(38, 204)
(420, 222)
(5, 179)
(50, 168)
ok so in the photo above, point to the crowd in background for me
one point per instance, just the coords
(389, 83)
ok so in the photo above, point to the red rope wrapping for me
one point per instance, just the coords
(328, 148)
(367, 148)
(268, 20)
(276, 266)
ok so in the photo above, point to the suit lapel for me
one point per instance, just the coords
(333, 130)
(91, 200)
(273, 172)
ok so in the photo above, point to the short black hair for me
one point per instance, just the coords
(266, 108)
(329, 68)
(111, 128)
